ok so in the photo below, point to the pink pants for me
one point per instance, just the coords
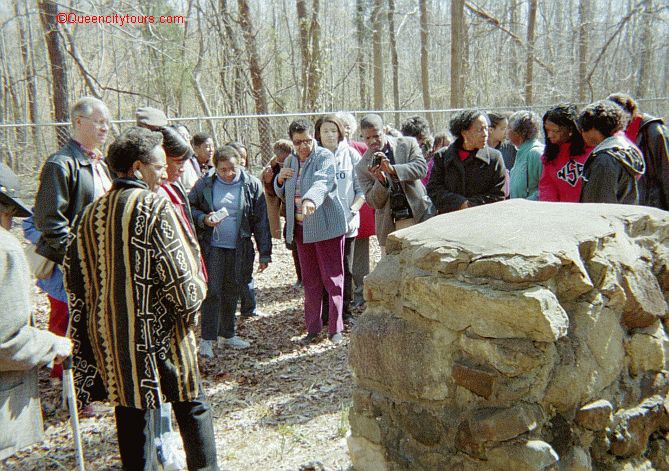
(322, 265)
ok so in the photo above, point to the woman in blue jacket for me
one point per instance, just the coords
(316, 220)
(228, 208)
(524, 128)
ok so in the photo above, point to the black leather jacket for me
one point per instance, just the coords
(66, 188)
(654, 144)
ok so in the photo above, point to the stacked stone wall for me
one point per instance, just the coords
(516, 336)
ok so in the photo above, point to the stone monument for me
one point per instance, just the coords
(516, 336)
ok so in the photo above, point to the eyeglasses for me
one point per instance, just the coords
(297, 144)
(101, 123)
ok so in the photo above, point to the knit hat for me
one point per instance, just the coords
(150, 117)
(9, 190)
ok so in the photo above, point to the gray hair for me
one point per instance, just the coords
(349, 120)
(372, 121)
(527, 124)
(84, 107)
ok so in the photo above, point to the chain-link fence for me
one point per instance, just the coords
(25, 147)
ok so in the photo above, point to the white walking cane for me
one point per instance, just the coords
(71, 398)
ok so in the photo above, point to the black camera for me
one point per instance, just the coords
(378, 157)
(399, 205)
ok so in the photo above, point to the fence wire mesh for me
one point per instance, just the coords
(25, 147)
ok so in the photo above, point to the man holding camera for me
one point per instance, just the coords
(389, 174)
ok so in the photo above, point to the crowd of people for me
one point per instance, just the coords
(135, 246)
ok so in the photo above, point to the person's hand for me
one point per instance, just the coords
(308, 208)
(63, 349)
(262, 266)
(207, 220)
(464, 205)
(387, 167)
(267, 175)
(378, 174)
(285, 174)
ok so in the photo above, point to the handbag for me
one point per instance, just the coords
(41, 267)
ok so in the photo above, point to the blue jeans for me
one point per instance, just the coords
(218, 308)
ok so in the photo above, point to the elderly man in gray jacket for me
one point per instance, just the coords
(389, 174)
(23, 347)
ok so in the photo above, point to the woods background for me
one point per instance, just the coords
(231, 60)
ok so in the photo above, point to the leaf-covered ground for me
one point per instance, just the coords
(277, 405)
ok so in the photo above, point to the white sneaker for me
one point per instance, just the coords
(206, 349)
(233, 342)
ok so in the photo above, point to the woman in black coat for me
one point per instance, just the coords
(468, 172)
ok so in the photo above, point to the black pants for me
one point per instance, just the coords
(136, 436)
(218, 308)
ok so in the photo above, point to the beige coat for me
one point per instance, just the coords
(410, 166)
(23, 348)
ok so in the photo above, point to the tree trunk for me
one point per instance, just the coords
(27, 73)
(237, 105)
(361, 59)
(394, 60)
(583, 29)
(377, 53)
(33, 107)
(646, 49)
(457, 38)
(48, 11)
(195, 80)
(529, 77)
(514, 60)
(303, 27)
(424, 59)
(310, 31)
(259, 94)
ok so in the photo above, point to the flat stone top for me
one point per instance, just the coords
(530, 228)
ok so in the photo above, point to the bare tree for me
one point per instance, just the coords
(393, 59)
(377, 53)
(457, 40)
(646, 46)
(258, 85)
(196, 75)
(583, 41)
(361, 60)
(59, 76)
(529, 75)
(424, 60)
(310, 33)
(28, 61)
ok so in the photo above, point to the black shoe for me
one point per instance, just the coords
(308, 339)
(336, 338)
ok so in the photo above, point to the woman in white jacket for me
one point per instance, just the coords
(329, 133)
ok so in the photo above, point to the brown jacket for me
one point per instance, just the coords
(410, 167)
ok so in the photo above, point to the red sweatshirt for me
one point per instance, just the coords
(562, 178)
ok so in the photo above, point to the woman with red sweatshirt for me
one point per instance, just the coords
(564, 156)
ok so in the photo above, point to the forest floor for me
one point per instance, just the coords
(277, 405)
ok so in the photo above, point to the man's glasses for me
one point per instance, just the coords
(101, 123)
(297, 144)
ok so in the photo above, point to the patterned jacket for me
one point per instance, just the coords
(132, 276)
